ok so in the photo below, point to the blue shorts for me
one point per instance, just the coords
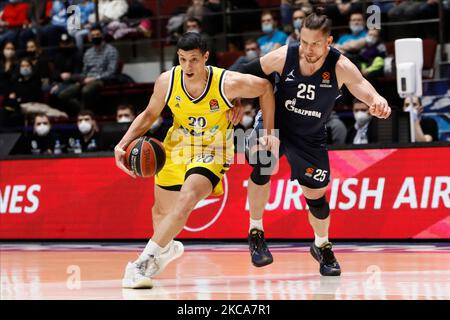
(307, 157)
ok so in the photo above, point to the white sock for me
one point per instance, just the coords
(256, 224)
(152, 248)
(167, 246)
(320, 241)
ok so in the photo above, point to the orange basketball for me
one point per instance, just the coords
(145, 156)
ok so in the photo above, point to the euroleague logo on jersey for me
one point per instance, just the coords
(326, 76)
(207, 211)
(213, 105)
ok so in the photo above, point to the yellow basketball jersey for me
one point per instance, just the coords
(200, 122)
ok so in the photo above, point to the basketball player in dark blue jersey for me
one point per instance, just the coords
(310, 75)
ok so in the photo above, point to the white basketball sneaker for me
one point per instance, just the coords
(174, 251)
(138, 274)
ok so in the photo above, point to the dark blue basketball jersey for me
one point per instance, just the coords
(304, 103)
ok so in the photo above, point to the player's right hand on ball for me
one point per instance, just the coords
(119, 155)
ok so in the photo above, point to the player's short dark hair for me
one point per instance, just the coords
(192, 41)
(87, 112)
(318, 22)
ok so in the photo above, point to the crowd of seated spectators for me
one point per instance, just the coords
(54, 68)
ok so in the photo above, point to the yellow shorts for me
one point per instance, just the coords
(180, 164)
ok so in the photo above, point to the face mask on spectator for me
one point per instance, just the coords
(124, 119)
(246, 121)
(361, 117)
(371, 40)
(42, 129)
(267, 27)
(356, 28)
(251, 54)
(84, 127)
(97, 40)
(9, 53)
(25, 71)
(298, 23)
(195, 30)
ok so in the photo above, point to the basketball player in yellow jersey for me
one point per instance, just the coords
(198, 155)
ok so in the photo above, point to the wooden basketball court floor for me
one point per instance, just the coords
(223, 271)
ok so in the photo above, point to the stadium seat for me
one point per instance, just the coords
(226, 58)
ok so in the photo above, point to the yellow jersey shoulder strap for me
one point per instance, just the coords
(170, 88)
(219, 76)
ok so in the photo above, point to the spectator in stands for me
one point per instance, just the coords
(39, 60)
(66, 68)
(352, 43)
(364, 131)
(125, 113)
(99, 66)
(87, 8)
(429, 9)
(286, 12)
(138, 9)
(88, 138)
(206, 13)
(426, 129)
(119, 30)
(338, 11)
(336, 130)
(43, 140)
(297, 20)
(272, 38)
(8, 65)
(252, 51)
(384, 6)
(15, 24)
(25, 87)
(109, 10)
(249, 114)
(50, 33)
(371, 57)
(405, 10)
(40, 13)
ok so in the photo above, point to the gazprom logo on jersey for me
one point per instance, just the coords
(290, 106)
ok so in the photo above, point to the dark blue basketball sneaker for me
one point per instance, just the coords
(325, 256)
(259, 251)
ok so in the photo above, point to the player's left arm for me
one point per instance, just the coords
(347, 73)
(239, 85)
